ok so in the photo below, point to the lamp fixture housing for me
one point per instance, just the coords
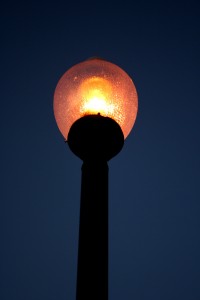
(95, 87)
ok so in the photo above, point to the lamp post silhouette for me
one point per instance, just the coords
(95, 106)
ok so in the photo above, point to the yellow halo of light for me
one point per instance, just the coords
(96, 93)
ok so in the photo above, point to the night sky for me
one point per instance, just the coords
(154, 184)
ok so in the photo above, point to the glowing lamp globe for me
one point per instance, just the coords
(98, 88)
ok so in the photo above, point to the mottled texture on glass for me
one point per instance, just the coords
(95, 86)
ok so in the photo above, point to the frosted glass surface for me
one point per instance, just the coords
(95, 86)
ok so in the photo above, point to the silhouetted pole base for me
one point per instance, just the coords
(95, 139)
(92, 277)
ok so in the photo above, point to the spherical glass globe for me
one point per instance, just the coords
(95, 86)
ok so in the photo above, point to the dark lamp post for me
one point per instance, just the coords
(95, 106)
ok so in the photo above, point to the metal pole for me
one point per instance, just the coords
(92, 275)
(94, 139)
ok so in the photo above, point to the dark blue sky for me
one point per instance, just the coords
(154, 182)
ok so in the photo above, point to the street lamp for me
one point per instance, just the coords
(95, 106)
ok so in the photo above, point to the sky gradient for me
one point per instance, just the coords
(154, 195)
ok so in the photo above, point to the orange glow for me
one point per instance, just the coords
(95, 86)
(96, 92)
